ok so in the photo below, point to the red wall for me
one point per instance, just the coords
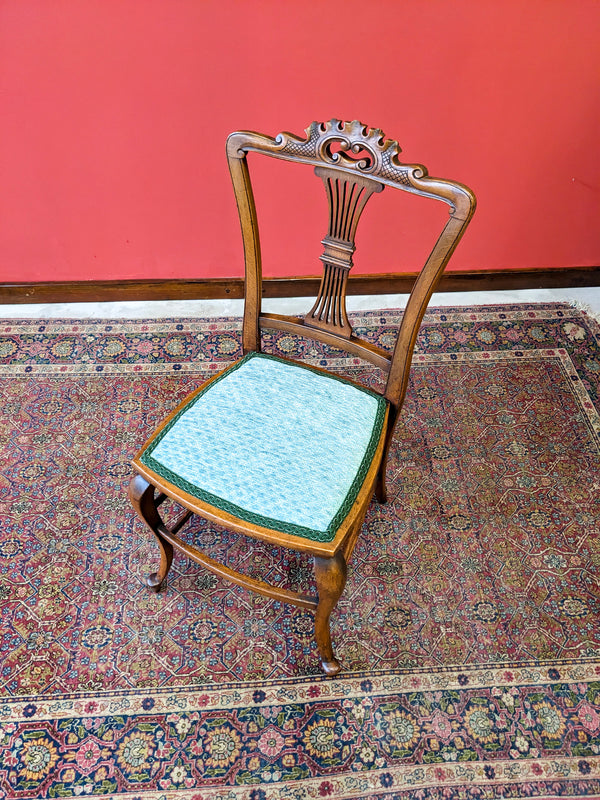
(114, 115)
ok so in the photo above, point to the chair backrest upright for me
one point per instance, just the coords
(353, 162)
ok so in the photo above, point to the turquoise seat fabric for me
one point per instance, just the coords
(275, 443)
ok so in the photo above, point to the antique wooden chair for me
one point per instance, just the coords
(279, 450)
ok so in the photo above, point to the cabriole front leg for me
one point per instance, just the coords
(141, 494)
(330, 574)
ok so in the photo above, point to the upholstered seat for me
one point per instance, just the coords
(305, 439)
(281, 451)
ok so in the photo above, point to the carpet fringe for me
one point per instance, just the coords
(586, 309)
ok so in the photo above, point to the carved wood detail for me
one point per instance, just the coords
(354, 147)
(347, 196)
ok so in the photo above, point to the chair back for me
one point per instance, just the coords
(353, 162)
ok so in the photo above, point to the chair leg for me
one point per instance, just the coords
(330, 574)
(381, 485)
(141, 494)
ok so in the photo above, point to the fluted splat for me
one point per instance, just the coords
(347, 196)
(344, 198)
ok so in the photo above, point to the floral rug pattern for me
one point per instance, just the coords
(469, 629)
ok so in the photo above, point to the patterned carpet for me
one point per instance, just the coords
(469, 629)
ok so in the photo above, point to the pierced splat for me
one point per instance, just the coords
(347, 196)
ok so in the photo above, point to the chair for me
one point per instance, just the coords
(278, 450)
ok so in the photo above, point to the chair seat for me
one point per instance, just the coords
(275, 443)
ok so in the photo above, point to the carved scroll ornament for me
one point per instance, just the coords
(355, 148)
(351, 145)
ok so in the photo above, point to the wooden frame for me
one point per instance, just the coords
(353, 162)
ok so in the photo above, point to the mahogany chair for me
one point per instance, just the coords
(278, 450)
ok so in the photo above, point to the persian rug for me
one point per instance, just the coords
(468, 631)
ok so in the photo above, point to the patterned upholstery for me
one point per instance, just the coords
(276, 443)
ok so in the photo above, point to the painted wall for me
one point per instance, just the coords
(114, 115)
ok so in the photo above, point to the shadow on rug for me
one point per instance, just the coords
(468, 630)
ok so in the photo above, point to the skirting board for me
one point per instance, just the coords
(215, 288)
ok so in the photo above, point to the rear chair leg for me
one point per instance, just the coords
(141, 494)
(381, 486)
(381, 483)
(330, 574)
